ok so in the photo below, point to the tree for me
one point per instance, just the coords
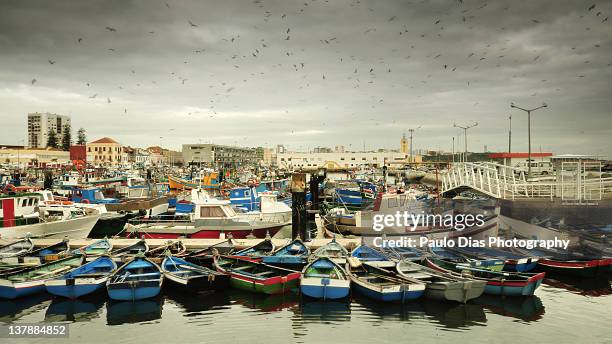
(52, 139)
(66, 138)
(81, 138)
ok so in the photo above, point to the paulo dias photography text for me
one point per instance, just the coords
(405, 219)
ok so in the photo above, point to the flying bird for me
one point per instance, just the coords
(34, 81)
(108, 100)
(79, 40)
(192, 24)
(591, 7)
(95, 95)
(111, 29)
(51, 61)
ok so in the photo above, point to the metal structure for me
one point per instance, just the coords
(529, 111)
(575, 181)
(465, 136)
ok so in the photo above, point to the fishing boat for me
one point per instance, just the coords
(257, 277)
(20, 214)
(253, 205)
(512, 261)
(86, 279)
(498, 283)
(96, 248)
(17, 248)
(32, 279)
(124, 253)
(569, 263)
(256, 252)
(324, 279)
(333, 251)
(40, 255)
(211, 219)
(191, 277)
(493, 264)
(292, 256)
(372, 256)
(204, 257)
(381, 284)
(137, 279)
(171, 246)
(442, 286)
(206, 181)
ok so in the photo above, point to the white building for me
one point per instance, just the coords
(348, 160)
(39, 126)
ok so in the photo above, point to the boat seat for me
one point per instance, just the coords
(240, 268)
(318, 276)
(264, 273)
(95, 274)
(418, 275)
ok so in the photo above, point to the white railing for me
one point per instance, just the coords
(505, 182)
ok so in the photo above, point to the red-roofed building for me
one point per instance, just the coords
(104, 151)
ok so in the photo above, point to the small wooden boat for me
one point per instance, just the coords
(86, 279)
(127, 252)
(204, 257)
(172, 247)
(324, 279)
(292, 256)
(96, 248)
(492, 264)
(442, 286)
(191, 277)
(569, 263)
(381, 284)
(498, 283)
(137, 279)
(512, 261)
(41, 255)
(32, 279)
(16, 248)
(333, 251)
(367, 254)
(264, 248)
(257, 277)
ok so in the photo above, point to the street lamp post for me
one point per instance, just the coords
(510, 135)
(528, 132)
(465, 137)
(412, 131)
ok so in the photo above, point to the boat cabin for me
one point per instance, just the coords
(17, 209)
(245, 198)
(92, 195)
(214, 210)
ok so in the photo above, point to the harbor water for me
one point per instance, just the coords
(561, 312)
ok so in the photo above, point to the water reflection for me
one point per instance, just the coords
(454, 315)
(84, 309)
(524, 308)
(12, 310)
(198, 304)
(599, 286)
(265, 303)
(323, 311)
(127, 312)
(378, 312)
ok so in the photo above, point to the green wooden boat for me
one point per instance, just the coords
(32, 279)
(257, 277)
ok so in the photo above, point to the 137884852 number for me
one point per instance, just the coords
(33, 330)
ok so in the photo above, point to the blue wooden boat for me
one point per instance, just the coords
(96, 248)
(498, 283)
(367, 254)
(324, 279)
(191, 277)
(137, 279)
(83, 280)
(126, 252)
(293, 256)
(333, 251)
(382, 285)
(31, 280)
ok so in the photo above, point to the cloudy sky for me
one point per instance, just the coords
(312, 72)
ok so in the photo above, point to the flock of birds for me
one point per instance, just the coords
(363, 72)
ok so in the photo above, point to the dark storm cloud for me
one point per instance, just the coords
(307, 73)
